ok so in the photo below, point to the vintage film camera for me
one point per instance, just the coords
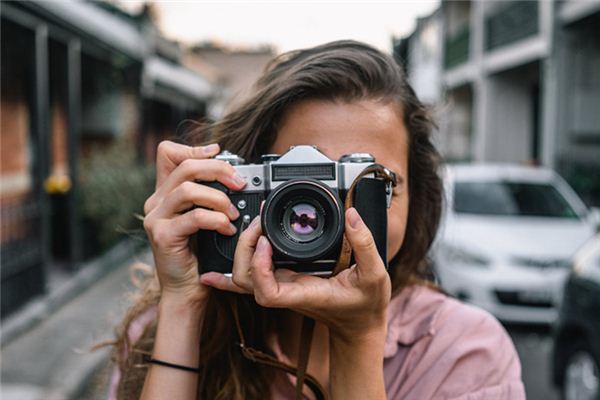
(303, 211)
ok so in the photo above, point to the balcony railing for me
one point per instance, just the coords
(516, 21)
(21, 243)
(22, 271)
(457, 48)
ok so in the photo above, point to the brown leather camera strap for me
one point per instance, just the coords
(380, 172)
(308, 327)
(266, 359)
(308, 324)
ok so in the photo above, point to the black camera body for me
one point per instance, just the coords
(303, 212)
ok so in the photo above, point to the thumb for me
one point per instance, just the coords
(262, 258)
(363, 245)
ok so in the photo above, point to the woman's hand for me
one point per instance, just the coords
(352, 304)
(170, 218)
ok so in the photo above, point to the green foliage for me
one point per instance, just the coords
(114, 188)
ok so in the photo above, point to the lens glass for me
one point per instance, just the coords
(303, 219)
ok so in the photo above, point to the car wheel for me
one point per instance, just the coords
(581, 376)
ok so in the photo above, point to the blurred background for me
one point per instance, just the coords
(89, 88)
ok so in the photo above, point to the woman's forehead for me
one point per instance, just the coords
(339, 128)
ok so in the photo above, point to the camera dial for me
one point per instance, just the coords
(231, 158)
(357, 158)
(269, 158)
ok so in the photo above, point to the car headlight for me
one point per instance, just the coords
(457, 255)
(587, 258)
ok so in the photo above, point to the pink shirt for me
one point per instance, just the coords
(440, 348)
(436, 348)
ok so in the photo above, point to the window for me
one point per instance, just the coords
(511, 198)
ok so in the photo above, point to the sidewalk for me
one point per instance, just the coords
(51, 360)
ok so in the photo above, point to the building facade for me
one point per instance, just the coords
(75, 75)
(232, 72)
(521, 84)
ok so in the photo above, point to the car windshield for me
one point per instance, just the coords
(511, 198)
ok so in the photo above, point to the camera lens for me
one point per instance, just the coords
(303, 219)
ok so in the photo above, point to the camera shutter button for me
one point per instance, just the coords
(229, 157)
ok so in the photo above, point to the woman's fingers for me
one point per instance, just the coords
(369, 265)
(266, 287)
(204, 171)
(170, 154)
(253, 272)
(240, 280)
(190, 194)
(244, 251)
(197, 170)
(222, 282)
(291, 290)
(167, 231)
(283, 289)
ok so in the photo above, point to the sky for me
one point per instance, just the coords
(287, 24)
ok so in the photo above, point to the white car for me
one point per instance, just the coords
(506, 239)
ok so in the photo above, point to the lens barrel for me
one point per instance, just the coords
(303, 219)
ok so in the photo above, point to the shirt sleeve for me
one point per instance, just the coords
(134, 332)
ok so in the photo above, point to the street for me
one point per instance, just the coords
(534, 345)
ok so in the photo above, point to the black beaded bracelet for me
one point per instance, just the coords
(151, 360)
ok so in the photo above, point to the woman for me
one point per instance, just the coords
(378, 333)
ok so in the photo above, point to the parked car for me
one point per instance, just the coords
(576, 356)
(507, 237)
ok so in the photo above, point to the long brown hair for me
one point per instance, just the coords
(337, 71)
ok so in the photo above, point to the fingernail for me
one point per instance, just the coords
(261, 246)
(255, 221)
(233, 212)
(232, 228)
(238, 179)
(354, 218)
(211, 148)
